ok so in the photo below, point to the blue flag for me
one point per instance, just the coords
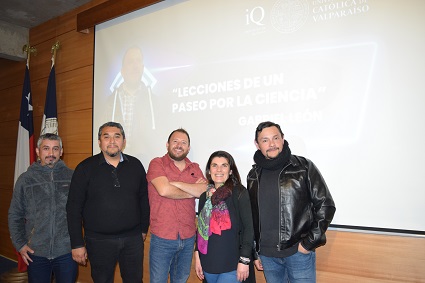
(50, 117)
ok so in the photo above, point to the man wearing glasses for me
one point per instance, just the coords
(109, 197)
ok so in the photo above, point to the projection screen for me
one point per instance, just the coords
(344, 79)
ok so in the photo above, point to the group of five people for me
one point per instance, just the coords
(102, 212)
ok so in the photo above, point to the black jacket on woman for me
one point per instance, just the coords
(242, 212)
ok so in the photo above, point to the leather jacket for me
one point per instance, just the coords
(307, 207)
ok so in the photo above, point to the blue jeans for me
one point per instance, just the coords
(63, 267)
(299, 268)
(227, 277)
(104, 254)
(170, 256)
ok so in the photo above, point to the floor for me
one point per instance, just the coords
(9, 271)
(7, 264)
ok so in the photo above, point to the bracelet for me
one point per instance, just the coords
(244, 260)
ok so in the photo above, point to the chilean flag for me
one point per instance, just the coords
(50, 118)
(25, 148)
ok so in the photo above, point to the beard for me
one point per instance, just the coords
(50, 160)
(113, 154)
(113, 151)
(177, 158)
(272, 151)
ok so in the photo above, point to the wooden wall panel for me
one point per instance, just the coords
(8, 141)
(73, 159)
(84, 274)
(50, 30)
(6, 247)
(7, 173)
(76, 51)
(12, 96)
(5, 196)
(68, 84)
(11, 73)
(76, 131)
(380, 257)
(77, 81)
(109, 10)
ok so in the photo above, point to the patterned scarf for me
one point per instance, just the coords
(214, 216)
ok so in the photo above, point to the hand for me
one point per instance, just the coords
(198, 266)
(144, 236)
(80, 255)
(201, 181)
(302, 250)
(242, 272)
(24, 254)
(258, 265)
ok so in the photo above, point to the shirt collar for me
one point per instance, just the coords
(103, 160)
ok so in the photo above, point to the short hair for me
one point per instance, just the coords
(50, 137)
(266, 124)
(180, 130)
(111, 124)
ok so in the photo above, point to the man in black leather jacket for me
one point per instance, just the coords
(291, 206)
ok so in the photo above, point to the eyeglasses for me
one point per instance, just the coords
(115, 177)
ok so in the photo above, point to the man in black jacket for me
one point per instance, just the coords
(109, 195)
(291, 206)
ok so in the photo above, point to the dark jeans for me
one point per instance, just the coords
(64, 268)
(104, 254)
(297, 268)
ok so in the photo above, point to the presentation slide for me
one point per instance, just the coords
(345, 79)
